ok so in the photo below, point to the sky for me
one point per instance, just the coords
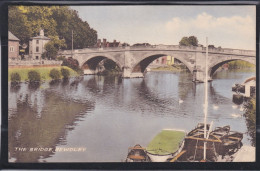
(225, 26)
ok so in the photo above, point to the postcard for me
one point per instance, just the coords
(135, 83)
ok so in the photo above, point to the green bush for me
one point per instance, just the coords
(55, 74)
(65, 72)
(15, 77)
(34, 76)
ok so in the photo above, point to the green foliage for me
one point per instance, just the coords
(61, 58)
(55, 74)
(34, 76)
(65, 72)
(57, 22)
(51, 51)
(250, 115)
(211, 46)
(43, 71)
(15, 77)
(72, 63)
(18, 24)
(240, 64)
(189, 41)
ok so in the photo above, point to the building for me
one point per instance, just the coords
(13, 46)
(36, 45)
(170, 60)
(250, 87)
(165, 60)
(105, 43)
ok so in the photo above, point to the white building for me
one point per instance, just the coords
(250, 86)
(36, 45)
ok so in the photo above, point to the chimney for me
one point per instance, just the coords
(41, 32)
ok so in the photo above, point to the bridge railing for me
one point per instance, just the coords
(162, 47)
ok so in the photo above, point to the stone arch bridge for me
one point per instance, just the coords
(134, 60)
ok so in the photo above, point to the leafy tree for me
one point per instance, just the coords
(34, 76)
(15, 77)
(55, 74)
(65, 73)
(52, 47)
(189, 41)
(193, 41)
(19, 25)
(250, 115)
(51, 51)
(211, 46)
(184, 41)
(72, 63)
(57, 21)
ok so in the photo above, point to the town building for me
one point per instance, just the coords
(105, 43)
(165, 60)
(13, 46)
(250, 87)
(36, 45)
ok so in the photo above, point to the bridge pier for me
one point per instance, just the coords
(127, 73)
(89, 72)
(199, 76)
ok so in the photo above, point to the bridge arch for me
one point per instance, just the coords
(91, 62)
(214, 66)
(148, 59)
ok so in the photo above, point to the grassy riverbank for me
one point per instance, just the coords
(169, 68)
(43, 71)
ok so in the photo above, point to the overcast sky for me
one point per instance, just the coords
(225, 26)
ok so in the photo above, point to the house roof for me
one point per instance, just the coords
(12, 37)
(250, 79)
(41, 37)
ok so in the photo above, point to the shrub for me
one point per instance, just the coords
(15, 77)
(65, 72)
(55, 74)
(71, 63)
(34, 76)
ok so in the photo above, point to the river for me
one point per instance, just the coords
(104, 115)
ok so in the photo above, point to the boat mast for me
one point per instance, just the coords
(206, 100)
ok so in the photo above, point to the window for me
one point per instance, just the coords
(37, 57)
(37, 41)
(11, 49)
(37, 49)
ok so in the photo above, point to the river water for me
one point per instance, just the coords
(104, 115)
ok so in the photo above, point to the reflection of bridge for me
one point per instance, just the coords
(134, 60)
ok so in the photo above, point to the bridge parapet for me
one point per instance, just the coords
(162, 47)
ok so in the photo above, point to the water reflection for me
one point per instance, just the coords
(40, 120)
(113, 113)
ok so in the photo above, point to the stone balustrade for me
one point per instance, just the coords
(162, 47)
(33, 62)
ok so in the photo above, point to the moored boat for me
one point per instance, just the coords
(137, 154)
(220, 141)
(165, 145)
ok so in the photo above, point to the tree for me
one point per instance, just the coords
(57, 21)
(51, 51)
(189, 41)
(211, 46)
(19, 25)
(184, 41)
